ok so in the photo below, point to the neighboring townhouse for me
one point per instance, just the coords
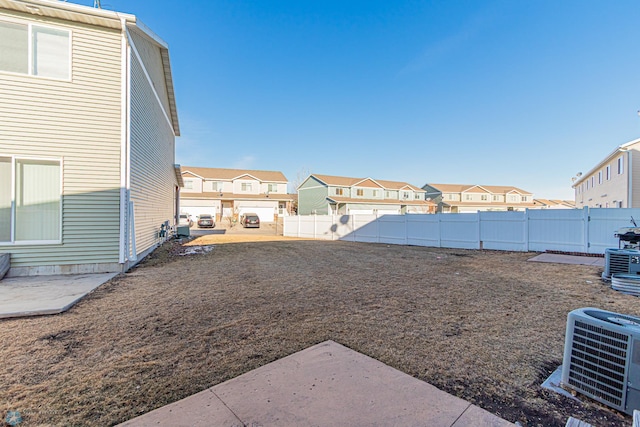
(553, 204)
(87, 136)
(339, 195)
(227, 193)
(461, 198)
(614, 182)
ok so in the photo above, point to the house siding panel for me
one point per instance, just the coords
(32, 109)
(152, 61)
(152, 158)
(312, 198)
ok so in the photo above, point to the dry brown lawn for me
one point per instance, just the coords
(486, 326)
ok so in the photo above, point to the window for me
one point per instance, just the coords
(593, 182)
(483, 197)
(387, 194)
(496, 198)
(417, 196)
(375, 193)
(360, 192)
(246, 186)
(523, 198)
(211, 186)
(35, 50)
(600, 177)
(608, 172)
(272, 188)
(467, 196)
(188, 184)
(30, 200)
(620, 166)
(339, 192)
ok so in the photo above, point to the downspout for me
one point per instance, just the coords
(630, 186)
(124, 145)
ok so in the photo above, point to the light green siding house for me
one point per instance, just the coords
(87, 138)
(339, 195)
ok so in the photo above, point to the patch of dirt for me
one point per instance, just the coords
(486, 326)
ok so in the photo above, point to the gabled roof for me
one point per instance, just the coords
(368, 183)
(555, 202)
(222, 174)
(216, 195)
(493, 189)
(339, 199)
(344, 181)
(101, 18)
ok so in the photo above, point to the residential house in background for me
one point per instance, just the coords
(461, 198)
(87, 136)
(338, 195)
(612, 183)
(553, 204)
(232, 192)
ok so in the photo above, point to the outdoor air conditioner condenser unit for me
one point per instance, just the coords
(602, 357)
(626, 261)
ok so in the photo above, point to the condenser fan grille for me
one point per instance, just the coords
(598, 362)
(618, 263)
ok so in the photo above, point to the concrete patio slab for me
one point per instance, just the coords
(324, 385)
(38, 295)
(569, 259)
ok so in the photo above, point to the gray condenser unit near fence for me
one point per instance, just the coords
(625, 261)
(602, 357)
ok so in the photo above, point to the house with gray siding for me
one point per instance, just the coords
(87, 139)
(338, 195)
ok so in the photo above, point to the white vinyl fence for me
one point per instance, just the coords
(568, 230)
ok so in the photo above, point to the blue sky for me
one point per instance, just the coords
(506, 92)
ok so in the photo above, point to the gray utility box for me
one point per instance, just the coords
(183, 231)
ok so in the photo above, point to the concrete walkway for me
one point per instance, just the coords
(37, 295)
(568, 259)
(324, 385)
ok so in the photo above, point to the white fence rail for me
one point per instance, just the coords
(568, 230)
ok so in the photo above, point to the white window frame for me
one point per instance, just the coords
(246, 187)
(608, 172)
(600, 177)
(620, 165)
(13, 241)
(30, 26)
(272, 188)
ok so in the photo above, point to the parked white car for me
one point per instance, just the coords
(185, 219)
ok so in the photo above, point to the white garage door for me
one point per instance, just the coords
(265, 214)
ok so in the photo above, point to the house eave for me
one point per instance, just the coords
(69, 12)
(620, 149)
